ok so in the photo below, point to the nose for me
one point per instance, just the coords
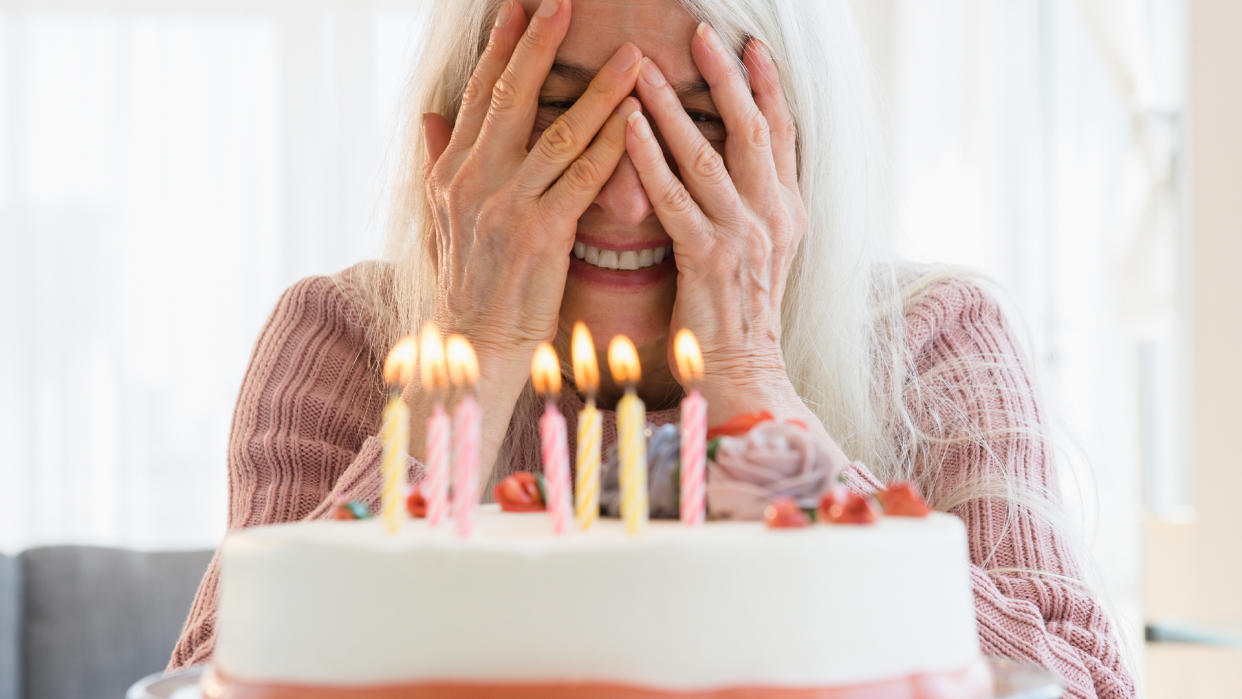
(623, 197)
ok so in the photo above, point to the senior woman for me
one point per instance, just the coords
(648, 165)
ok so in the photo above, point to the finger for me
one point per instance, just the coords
(477, 97)
(765, 82)
(436, 135)
(748, 146)
(507, 125)
(567, 137)
(680, 216)
(701, 166)
(582, 181)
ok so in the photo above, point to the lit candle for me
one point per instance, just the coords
(631, 444)
(586, 376)
(463, 369)
(545, 371)
(395, 432)
(693, 428)
(435, 381)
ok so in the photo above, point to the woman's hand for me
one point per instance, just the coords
(505, 218)
(735, 220)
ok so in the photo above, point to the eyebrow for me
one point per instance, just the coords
(583, 76)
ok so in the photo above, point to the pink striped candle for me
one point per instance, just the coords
(693, 457)
(434, 376)
(553, 435)
(693, 429)
(437, 465)
(463, 369)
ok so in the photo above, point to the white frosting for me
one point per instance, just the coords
(727, 604)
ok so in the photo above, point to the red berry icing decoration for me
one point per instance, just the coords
(519, 493)
(739, 424)
(415, 503)
(785, 514)
(841, 506)
(834, 497)
(900, 499)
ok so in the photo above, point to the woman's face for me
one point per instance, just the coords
(620, 229)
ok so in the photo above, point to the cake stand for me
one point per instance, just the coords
(1012, 680)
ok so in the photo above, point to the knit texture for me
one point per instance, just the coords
(304, 434)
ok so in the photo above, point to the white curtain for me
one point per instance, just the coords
(166, 170)
(1036, 141)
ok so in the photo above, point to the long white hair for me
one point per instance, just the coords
(843, 315)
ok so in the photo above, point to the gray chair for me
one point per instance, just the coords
(86, 621)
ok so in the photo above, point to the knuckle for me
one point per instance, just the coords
(785, 128)
(675, 197)
(707, 163)
(583, 174)
(505, 94)
(559, 140)
(535, 35)
(473, 92)
(758, 133)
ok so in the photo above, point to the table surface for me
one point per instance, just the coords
(1012, 680)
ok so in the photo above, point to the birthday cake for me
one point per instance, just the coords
(726, 609)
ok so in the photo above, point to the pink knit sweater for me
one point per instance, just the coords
(304, 434)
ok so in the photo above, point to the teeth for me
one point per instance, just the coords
(623, 260)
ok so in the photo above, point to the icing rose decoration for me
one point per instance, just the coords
(520, 492)
(415, 503)
(663, 475)
(900, 499)
(350, 509)
(785, 514)
(841, 506)
(773, 460)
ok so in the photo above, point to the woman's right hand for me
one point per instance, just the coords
(505, 218)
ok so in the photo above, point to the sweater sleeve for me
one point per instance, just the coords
(1030, 601)
(304, 430)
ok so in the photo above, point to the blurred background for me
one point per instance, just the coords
(168, 167)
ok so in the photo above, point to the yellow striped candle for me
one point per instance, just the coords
(586, 482)
(395, 433)
(631, 442)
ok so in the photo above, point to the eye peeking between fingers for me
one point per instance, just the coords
(710, 124)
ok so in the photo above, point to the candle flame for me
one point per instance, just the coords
(586, 368)
(545, 371)
(433, 371)
(689, 359)
(399, 366)
(463, 365)
(623, 360)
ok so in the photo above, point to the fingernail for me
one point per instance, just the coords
(548, 8)
(639, 125)
(623, 59)
(711, 37)
(650, 73)
(502, 17)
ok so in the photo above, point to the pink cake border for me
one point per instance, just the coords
(971, 682)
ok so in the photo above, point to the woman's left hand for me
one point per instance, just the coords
(735, 220)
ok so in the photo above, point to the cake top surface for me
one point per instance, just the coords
(532, 531)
